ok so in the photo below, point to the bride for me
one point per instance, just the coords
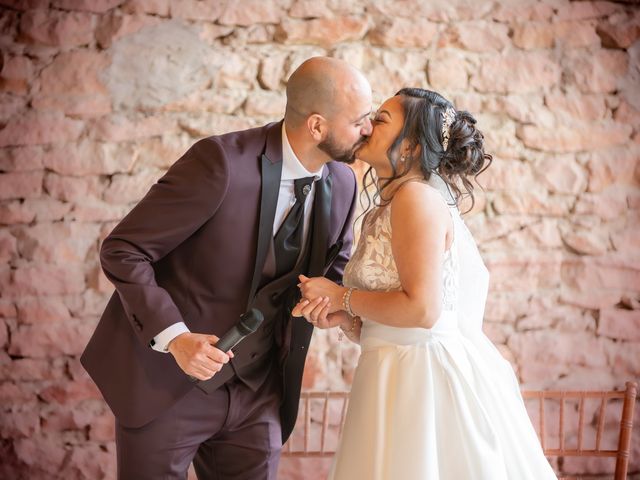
(432, 398)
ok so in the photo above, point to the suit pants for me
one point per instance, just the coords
(233, 433)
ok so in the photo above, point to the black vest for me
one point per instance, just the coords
(269, 345)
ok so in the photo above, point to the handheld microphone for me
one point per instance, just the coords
(249, 323)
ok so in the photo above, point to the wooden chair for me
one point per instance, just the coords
(580, 398)
(323, 447)
(317, 434)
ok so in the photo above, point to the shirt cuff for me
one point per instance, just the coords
(161, 341)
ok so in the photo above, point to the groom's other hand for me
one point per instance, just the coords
(196, 355)
(313, 288)
(305, 308)
(317, 313)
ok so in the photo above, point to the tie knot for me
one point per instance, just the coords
(302, 187)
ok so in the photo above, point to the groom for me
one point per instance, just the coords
(228, 228)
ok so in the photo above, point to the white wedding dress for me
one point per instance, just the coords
(437, 404)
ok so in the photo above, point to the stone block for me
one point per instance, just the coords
(153, 7)
(16, 75)
(620, 324)
(20, 185)
(574, 138)
(251, 12)
(207, 10)
(122, 128)
(95, 6)
(44, 279)
(477, 36)
(586, 10)
(448, 70)
(403, 33)
(130, 188)
(571, 106)
(176, 63)
(533, 35)
(520, 72)
(561, 174)
(44, 208)
(10, 105)
(270, 74)
(572, 34)
(56, 28)
(600, 71)
(52, 340)
(40, 128)
(39, 310)
(620, 34)
(325, 32)
(611, 166)
(41, 453)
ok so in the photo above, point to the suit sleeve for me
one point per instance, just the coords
(174, 208)
(336, 270)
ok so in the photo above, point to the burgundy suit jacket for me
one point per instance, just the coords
(190, 251)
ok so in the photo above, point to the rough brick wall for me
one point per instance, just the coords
(99, 97)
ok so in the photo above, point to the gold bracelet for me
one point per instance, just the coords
(347, 332)
(346, 301)
(353, 325)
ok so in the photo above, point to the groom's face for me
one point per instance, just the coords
(348, 128)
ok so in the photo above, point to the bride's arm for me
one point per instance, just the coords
(420, 222)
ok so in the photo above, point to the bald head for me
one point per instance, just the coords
(322, 85)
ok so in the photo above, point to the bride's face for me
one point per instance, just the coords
(387, 125)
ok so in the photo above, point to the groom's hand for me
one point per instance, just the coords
(317, 313)
(320, 287)
(196, 355)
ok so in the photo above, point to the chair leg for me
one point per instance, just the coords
(626, 426)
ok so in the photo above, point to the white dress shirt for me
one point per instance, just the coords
(292, 169)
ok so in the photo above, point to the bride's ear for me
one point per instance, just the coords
(406, 150)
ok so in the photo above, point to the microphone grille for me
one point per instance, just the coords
(252, 320)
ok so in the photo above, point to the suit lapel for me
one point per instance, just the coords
(320, 232)
(271, 172)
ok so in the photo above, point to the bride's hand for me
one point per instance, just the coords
(314, 288)
(317, 313)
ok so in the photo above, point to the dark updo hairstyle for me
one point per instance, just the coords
(464, 157)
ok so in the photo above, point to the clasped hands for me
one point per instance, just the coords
(321, 303)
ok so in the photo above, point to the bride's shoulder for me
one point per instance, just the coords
(419, 196)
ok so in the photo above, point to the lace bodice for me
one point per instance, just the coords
(373, 267)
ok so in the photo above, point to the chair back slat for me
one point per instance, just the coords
(580, 423)
(307, 422)
(343, 414)
(325, 422)
(543, 436)
(561, 424)
(603, 406)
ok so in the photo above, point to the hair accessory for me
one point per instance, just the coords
(448, 117)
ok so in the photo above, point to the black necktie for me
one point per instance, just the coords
(288, 240)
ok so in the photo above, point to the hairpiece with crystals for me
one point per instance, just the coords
(448, 117)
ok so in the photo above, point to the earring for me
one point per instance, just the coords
(403, 158)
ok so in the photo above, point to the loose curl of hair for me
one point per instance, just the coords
(422, 129)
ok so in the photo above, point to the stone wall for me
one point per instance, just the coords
(99, 97)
